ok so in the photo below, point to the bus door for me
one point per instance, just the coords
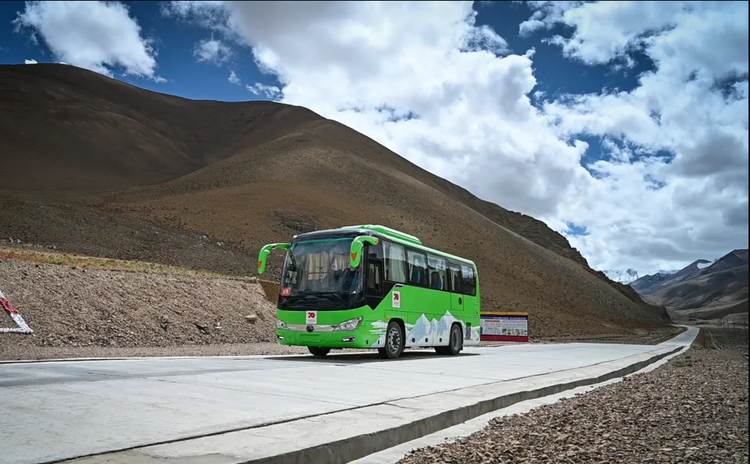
(454, 286)
(374, 275)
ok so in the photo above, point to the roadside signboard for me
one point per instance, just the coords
(505, 326)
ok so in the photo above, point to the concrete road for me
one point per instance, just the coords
(60, 410)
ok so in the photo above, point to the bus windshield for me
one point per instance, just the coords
(317, 275)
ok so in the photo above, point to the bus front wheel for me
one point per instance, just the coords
(318, 351)
(394, 341)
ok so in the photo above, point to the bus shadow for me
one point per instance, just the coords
(335, 357)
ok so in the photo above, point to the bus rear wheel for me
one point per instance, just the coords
(394, 342)
(318, 351)
(455, 342)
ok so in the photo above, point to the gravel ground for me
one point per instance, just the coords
(718, 337)
(693, 409)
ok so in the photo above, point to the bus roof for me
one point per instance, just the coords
(394, 235)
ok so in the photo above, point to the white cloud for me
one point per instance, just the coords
(234, 78)
(269, 91)
(30, 62)
(546, 15)
(699, 208)
(209, 14)
(423, 80)
(98, 36)
(211, 51)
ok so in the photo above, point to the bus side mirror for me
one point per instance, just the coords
(266, 251)
(355, 254)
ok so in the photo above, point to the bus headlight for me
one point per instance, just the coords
(280, 325)
(351, 324)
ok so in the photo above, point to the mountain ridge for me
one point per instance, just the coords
(703, 289)
(204, 184)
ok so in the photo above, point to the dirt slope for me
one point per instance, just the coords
(204, 184)
(65, 128)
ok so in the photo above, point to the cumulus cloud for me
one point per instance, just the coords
(234, 78)
(98, 36)
(211, 51)
(92, 35)
(692, 109)
(209, 14)
(268, 91)
(30, 61)
(424, 80)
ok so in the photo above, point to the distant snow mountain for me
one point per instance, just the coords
(628, 276)
(623, 276)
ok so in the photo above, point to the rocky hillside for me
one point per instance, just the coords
(96, 166)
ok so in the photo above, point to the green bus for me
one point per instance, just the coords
(370, 286)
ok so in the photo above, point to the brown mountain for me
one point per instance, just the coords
(702, 290)
(93, 165)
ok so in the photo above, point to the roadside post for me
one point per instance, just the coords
(22, 326)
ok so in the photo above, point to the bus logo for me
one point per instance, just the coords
(311, 317)
(396, 303)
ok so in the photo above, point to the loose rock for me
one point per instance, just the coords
(693, 409)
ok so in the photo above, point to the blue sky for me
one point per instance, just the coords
(188, 78)
(613, 131)
(175, 44)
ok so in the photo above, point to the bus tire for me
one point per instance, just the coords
(455, 342)
(394, 341)
(318, 351)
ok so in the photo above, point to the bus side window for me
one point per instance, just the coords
(375, 251)
(454, 277)
(417, 263)
(395, 263)
(469, 281)
(373, 278)
(436, 266)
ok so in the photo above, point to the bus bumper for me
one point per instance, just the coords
(338, 339)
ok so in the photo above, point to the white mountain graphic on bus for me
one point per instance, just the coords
(426, 332)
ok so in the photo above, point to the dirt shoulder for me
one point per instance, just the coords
(88, 307)
(693, 409)
(637, 336)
